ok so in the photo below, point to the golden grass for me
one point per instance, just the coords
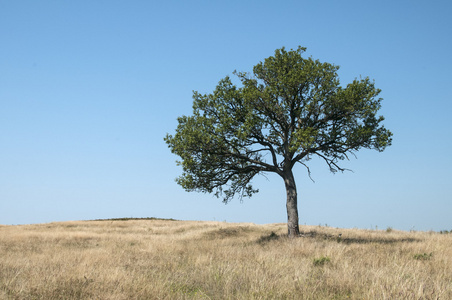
(162, 259)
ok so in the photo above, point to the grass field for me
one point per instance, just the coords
(167, 259)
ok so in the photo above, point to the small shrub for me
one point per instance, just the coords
(185, 289)
(321, 261)
(389, 229)
(267, 238)
(423, 256)
(228, 232)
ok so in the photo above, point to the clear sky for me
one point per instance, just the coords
(89, 89)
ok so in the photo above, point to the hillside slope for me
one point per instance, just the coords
(167, 259)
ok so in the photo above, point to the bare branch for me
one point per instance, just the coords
(309, 170)
(334, 167)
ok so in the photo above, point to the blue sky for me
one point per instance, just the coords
(88, 90)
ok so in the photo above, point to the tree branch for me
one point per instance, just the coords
(334, 167)
(309, 170)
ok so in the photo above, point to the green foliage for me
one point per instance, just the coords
(185, 290)
(423, 256)
(288, 110)
(321, 261)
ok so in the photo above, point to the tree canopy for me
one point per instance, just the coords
(288, 110)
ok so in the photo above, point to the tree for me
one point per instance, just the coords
(289, 110)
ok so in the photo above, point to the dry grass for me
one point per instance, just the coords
(158, 259)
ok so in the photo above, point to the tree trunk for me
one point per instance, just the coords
(292, 209)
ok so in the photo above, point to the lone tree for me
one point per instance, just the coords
(287, 111)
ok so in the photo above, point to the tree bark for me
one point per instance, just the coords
(291, 205)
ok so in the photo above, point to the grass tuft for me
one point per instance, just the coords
(321, 261)
(268, 238)
(423, 256)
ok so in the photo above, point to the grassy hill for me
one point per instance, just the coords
(167, 259)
